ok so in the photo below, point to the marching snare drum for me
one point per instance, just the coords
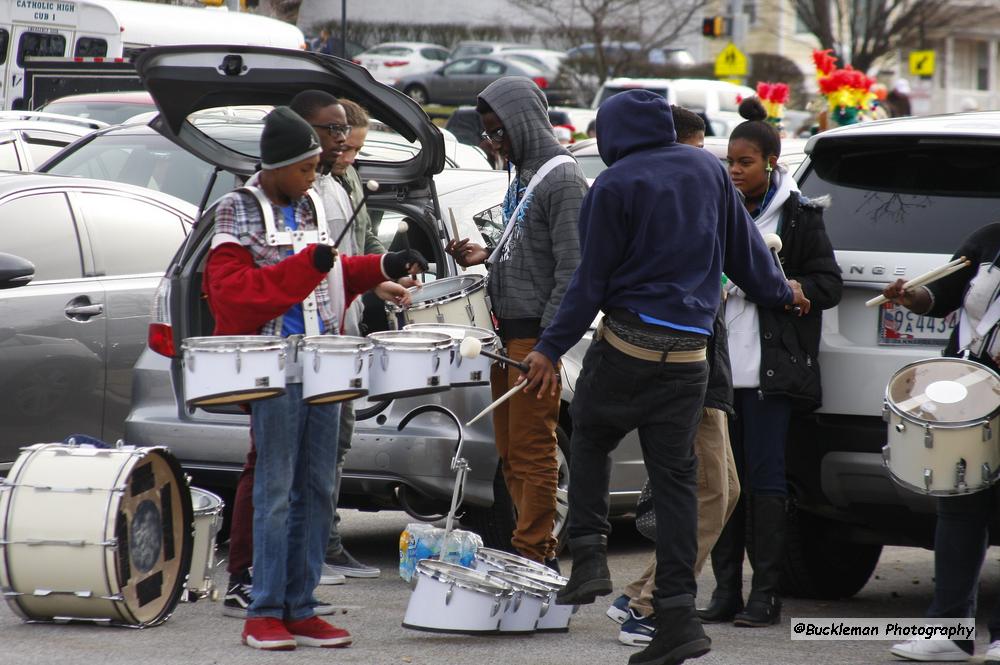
(942, 417)
(527, 604)
(335, 369)
(460, 300)
(407, 363)
(555, 618)
(207, 508)
(94, 534)
(465, 371)
(230, 369)
(447, 598)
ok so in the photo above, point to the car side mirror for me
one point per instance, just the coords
(15, 271)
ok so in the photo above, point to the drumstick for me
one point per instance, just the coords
(926, 278)
(472, 347)
(454, 224)
(773, 242)
(370, 186)
(503, 398)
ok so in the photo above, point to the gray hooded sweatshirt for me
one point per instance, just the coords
(529, 278)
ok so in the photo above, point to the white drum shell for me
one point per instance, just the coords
(400, 371)
(333, 371)
(207, 522)
(466, 305)
(908, 458)
(465, 371)
(231, 370)
(524, 607)
(437, 605)
(555, 618)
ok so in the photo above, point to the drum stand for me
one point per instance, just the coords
(458, 464)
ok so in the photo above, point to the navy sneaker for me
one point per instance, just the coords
(618, 612)
(637, 631)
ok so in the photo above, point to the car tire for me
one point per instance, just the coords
(417, 93)
(820, 565)
(496, 524)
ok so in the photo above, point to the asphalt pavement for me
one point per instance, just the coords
(198, 633)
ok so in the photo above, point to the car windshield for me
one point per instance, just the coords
(113, 113)
(610, 91)
(145, 159)
(911, 195)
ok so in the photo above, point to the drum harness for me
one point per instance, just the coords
(298, 240)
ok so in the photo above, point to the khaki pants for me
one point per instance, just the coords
(526, 443)
(718, 492)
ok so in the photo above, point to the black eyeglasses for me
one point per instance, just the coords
(334, 129)
(496, 136)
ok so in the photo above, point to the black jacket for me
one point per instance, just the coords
(790, 344)
(719, 393)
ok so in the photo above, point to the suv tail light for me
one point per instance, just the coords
(541, 81)
(160, 336)
(396, 63)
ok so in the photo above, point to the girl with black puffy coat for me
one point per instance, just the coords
(775, 370)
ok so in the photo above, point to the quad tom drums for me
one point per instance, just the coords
(942, 416)
(94, 534)
(448, 598)
(408, 362)
(335, 368)
(465, 371)
(231, 369)
(460, 300)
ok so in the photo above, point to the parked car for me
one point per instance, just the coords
(27, 139)
(460, 81)
(112, 108)
(618, 52)
(386, 468)
(904, 194)
(80, 262)
(392, 61)
(539, 58)
(466, 49)
(695, 94)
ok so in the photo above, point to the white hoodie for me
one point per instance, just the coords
(742, 320)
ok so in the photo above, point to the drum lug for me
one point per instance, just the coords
(470, 313)
(928, 437)
(886, 453)
(437, 362)
(239, 361)
(359, 363)
(885, 412)
(545, 609)
(447, 596)
(960, 476)
(987, 473)
(987, 432)
(497, 601)
(384, 360)
(928, 479)
(316, 362)
(516, 601)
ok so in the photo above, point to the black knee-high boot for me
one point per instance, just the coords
(769, 527)
(727, 565)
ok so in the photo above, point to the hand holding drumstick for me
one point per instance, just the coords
(909, 295)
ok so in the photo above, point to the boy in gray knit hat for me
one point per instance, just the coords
(261, 280)
(529, 269)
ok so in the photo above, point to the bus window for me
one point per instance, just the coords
(4, 41)
(41, 44)
(90, 47)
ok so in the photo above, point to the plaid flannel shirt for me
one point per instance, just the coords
(238, 215)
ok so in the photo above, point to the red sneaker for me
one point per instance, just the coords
(268, 634)
(314, 632)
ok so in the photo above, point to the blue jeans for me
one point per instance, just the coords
(616, 394)
(294, 479)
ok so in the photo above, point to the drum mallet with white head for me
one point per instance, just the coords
(472, 347)
(773, 242)
(370, 187)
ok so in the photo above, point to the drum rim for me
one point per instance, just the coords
(441, 342)
(462, 577)
(228, 343)
(487, 553)
(994, 477)
(485, 336)
(553, 578)
(937, 424)
(528, 586)
(477, 285)
(218, 505)
(335, 343)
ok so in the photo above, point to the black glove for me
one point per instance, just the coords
(324, 257)
(397, 264)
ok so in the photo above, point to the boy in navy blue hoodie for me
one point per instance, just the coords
(657, 229)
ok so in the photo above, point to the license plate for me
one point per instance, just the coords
(898, 325)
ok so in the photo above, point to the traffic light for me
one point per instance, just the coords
(714, 26)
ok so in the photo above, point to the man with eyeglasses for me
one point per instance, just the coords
(529, 269)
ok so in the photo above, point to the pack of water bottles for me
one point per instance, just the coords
(423, 541)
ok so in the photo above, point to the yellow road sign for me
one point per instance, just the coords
(922, 63)
(731, 63)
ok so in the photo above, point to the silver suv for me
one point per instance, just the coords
(386, 468)
(905, 193)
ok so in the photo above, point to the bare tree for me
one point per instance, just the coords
(650, 23)
(862, 31)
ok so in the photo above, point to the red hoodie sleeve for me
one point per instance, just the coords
(361, 274)
(244, 296)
